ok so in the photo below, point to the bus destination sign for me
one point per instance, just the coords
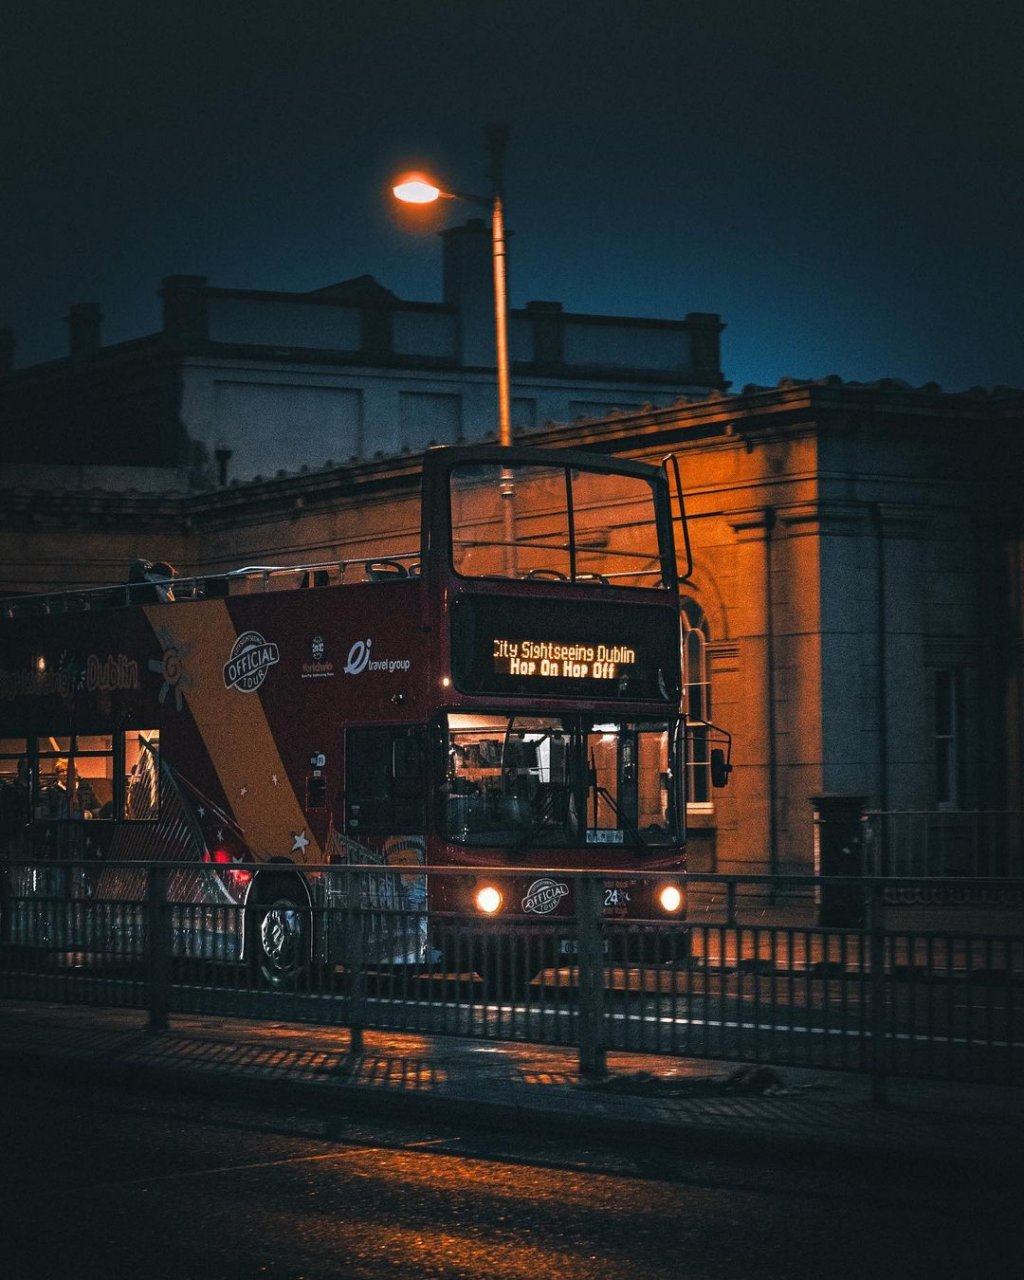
(564, 649)
(551, 659)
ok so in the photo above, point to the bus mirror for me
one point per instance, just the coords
(720, 768)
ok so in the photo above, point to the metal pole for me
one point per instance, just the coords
(590, 975)
(876, 961)
(501, 322)
(355, 971)
(497, 140)
(159, 941)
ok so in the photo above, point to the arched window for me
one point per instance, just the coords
(696, 701)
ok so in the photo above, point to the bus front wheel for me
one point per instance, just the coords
(280, 949)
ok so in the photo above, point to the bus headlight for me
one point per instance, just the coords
(670, 898)
(488, 899)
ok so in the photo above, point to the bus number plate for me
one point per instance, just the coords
(570, 947)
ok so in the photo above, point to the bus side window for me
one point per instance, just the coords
(385, 792)
(141, 799)
(14, 784)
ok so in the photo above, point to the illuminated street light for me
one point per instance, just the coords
(418, 189)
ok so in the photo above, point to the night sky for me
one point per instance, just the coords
(841, 181)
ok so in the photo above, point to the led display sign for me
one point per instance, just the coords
(549, 659)
(559, 648)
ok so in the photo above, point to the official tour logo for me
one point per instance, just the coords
(544, 895)
(251, 658)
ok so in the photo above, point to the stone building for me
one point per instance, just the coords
(241, 382)
(855, 617)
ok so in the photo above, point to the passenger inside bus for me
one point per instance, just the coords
(150, 583)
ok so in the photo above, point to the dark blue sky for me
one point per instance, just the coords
(842, 182)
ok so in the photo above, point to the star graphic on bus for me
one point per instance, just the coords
(300, 841)
(172, 668)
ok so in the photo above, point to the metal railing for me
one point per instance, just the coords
(250, 580)
(899, 990)
(953, 843)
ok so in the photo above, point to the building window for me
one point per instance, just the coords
(696, 704)
(948, 737)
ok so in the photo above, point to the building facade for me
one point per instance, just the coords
(854, 619)
(240, 383)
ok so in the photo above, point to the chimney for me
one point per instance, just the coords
(83, 321)
(6, 349)
(705, 349)
(223, 457)
(468, 281)
(548, 324)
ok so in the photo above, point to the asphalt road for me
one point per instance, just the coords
(110, 1184)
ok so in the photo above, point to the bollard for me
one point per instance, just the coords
(158, 947)
(589, 915)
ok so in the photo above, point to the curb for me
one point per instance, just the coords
(686, 1135)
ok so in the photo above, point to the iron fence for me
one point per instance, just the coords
(747, 974)
(973, 843)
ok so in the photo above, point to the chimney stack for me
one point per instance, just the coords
(468, 283)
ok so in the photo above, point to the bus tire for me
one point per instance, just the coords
(280, 951)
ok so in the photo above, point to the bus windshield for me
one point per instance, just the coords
(544, 521)
(560, 781)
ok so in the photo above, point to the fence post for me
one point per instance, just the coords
(876, 953)
(589, 913)
(355, 974)
(6, 899)
(158, 947)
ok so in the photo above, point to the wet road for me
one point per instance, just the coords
(105, 1184)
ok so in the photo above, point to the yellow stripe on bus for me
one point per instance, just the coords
(235, 730)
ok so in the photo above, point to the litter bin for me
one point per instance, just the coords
(839, 851)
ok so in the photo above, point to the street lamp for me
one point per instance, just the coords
(417, 189)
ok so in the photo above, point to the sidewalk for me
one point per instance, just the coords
(688, 1104)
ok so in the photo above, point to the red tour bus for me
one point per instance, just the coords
(498, 690)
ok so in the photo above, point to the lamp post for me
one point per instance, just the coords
(420, 190)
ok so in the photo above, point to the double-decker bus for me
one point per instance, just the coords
(498, 691)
